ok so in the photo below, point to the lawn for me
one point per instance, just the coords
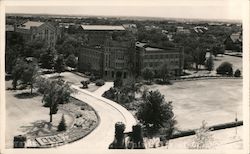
(26, 115)
(215, 101)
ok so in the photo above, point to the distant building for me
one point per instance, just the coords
(131, 27)
(234, 42)
(200, 29)
(182, 30)
(43, 31)
(152, 57)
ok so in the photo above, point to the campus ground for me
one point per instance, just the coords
(215, 100)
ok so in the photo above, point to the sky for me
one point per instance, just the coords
(201, 9)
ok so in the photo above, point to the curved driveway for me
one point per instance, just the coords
(109, 112)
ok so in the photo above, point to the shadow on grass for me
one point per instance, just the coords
(26, 95)
(39, 128)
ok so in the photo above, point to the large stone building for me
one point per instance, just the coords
(34, 30)
(111, 52)
(107, 51)
(153, 58)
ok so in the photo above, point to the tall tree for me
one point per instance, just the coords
(47, 58)
(155, 112)
(29, 75)
(59, 64)
(164, 71)
(57, 92)
(17, 71)
(147, 74)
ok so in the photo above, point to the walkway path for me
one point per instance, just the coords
(109, 112)
(103, 88)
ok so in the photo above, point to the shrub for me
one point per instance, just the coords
(148, 74)
(225, 68)
(84, 84)
(99, 82)
(62, 125)
(237, 73)
(118, 82)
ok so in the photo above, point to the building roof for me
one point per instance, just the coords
(153, 49)
(236, 37)
(102, 27)
(29, 24)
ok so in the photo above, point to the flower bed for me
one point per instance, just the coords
(85, 121)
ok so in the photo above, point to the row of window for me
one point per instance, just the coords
(157, 64)
(161, 56)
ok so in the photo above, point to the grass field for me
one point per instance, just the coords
(215, 101)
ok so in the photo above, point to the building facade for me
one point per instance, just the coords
(151, 57)
(106, 51)
(112, 53)
(34, 30)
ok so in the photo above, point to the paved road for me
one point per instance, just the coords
(110, 113)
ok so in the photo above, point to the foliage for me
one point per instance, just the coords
(17, 71)
(199, 57)
(119, 141)
(165, 72)
(25, 71)
(56, 92)
(155, 112)
(148, 74)
(84, 84)
(225, 68)
(118, 82)
(99, 82)
(71, 61)
(237, 73)
(209, 63)
(47, 58)
(59, 64)
(62, 125)
(202, 139)
(29, 75)
(14, 49)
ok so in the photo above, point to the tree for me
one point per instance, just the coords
(56, 92)
(59, 64)
(237, 73)
(29, 75)
(202, 139)
(155, 112)
(165, 71)
(47, 59)
(225, 68)
(17, 71)
(199, 57)
(62, 125)
(148, 74)
(209, 63)
(71, 61)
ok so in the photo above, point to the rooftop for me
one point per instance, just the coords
(102, 27)
(236, 37)
(29, 24)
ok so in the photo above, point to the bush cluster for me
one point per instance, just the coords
(99, 82)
